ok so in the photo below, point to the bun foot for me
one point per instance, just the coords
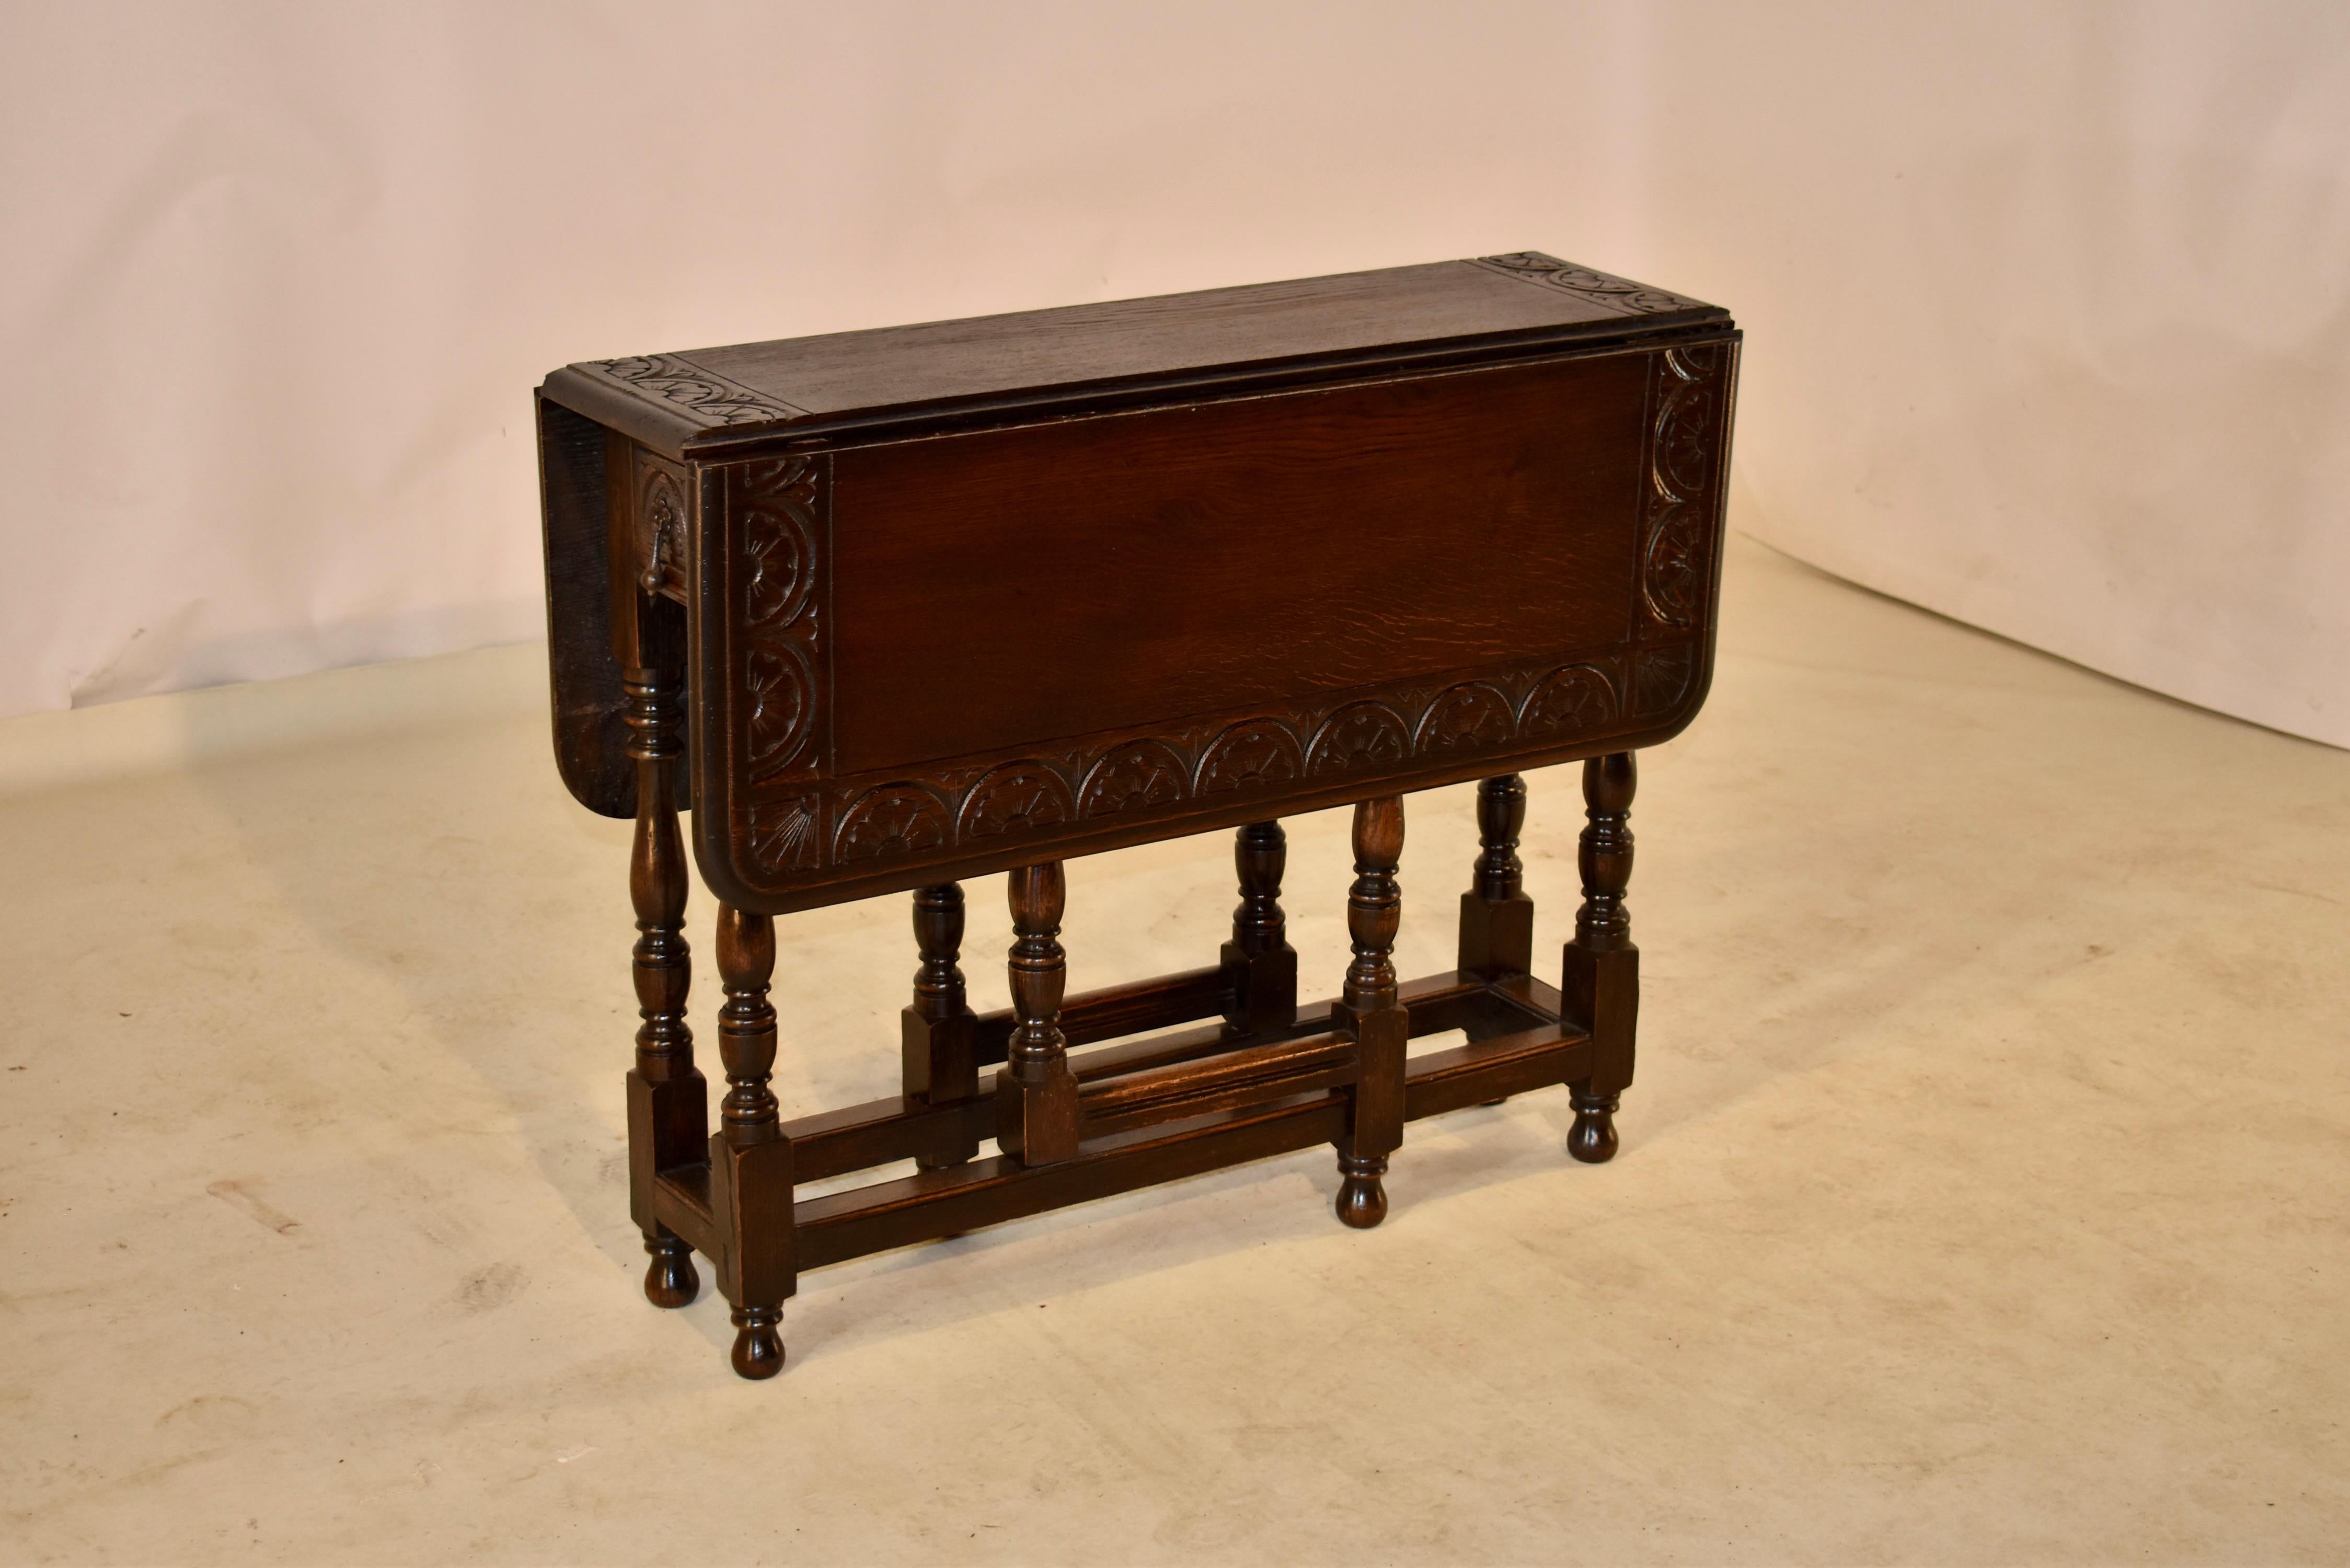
(670, 1277)
(1362, 1199)
(1593, 1139)
(758, 1349)
(1503, 1100)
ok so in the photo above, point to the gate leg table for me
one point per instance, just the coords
(880, 611)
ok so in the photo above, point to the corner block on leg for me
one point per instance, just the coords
(1036, 1093)
(1601, 986)
(939, 1032)
(1497, 918)
(1260, 965)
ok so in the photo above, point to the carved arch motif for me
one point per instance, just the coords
(1137, 776)
(1358, 736)
(783, 704)
(1678, 530)
(1018, 797)
(777, 500)
(1672, 573)
(1685, 442)
(889, 822)
(1472, 716)
(1694, 362)
(1251, 754)
(975, 807)
(1577, 699)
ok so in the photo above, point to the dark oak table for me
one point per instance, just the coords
(889, 610)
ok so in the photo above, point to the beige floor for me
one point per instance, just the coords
(1982, 1195)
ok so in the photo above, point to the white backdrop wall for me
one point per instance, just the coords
(2048, 306)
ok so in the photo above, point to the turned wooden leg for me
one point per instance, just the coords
(750, 1159)
(668, 1108)
(1259, 962)
(1370, 1009)
(1036, 1095)
(1602, 985)
(938, 1029)
(1497, 918)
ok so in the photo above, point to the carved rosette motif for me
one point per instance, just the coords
(1672, 572)
(1361, 737)
(1018, 797)
(669, 379)
(783, 706)
(1471, 717)
(1685, 442)
(1252, 755)
(1140, 777)
(776, 503)
(1601, 288)
(889, 822)
(1577, 699)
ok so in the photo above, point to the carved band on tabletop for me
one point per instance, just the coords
(965, 808)
(666, 378)
(777, 502)
(1601, 288)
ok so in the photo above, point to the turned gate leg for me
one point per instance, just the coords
(669, 1108)
(1036, 1093)
(1259, 962)
(939, 1030)
(1602, 986)
(1370, 1009)
(750, 1159)
(1497, 918)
